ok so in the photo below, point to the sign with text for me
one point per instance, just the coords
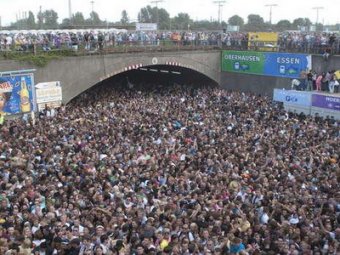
(146, 27)
(264, 63)
(48, 93)
(264, 41)
(325, 101)
(287, 64)
(250, 62)
(292, 97)
(17, 94)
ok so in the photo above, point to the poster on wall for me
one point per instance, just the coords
(292, 97)
(326, 102)
(17, 94)
(250, 62)
(287, 65)
(48, 94)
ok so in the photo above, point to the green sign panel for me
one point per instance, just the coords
(243, 62)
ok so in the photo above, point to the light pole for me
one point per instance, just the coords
(156, 2)
(92, 3)
(69, 10)
(220, 4)
(317, 8)
(270, 11)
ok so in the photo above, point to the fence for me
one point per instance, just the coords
(112, 46)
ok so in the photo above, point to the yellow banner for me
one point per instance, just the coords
(263, 41)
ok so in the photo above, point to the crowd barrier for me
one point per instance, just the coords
(309, 102)
(169, 45)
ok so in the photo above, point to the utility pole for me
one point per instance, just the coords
(270, 11)
(92, 3)
(156, 2)
(0, 24)
(220, 4)
(40, 17)
(317, 8)
(70, 10)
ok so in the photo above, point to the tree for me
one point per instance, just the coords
(319, 27)
(283, 25)
(40, 17)
(125, 18)
(181, 21)
(236, 21)
(66, 23)
(163, 18)
(78, 19)
(149, 15)
(301, 22)
(50, 19)
(145, 15)
(30, 20)
(202, 25)
(255, 23)
(94, 19)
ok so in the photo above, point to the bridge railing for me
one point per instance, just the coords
(106, 47)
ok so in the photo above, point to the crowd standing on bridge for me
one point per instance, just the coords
(92, 40)
(312, 81)
(169, 170)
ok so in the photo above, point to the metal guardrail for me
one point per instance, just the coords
(96, 47)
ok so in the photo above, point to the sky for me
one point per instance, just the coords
(111, 10)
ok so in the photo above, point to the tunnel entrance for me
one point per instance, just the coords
(165, 75)
(150, 77)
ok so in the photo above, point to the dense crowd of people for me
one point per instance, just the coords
(325, 81)
(95, 40)
(312, 42)
(169, 170)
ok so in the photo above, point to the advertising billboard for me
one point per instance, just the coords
(264, 41)
(292, 97)
(250, 62)
(286, 65)
(17, 94)
(326, 102)
(146, 27)
(48, 94)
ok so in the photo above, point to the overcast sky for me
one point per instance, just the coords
(197, 9)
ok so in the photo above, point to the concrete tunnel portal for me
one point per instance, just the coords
(165, 75)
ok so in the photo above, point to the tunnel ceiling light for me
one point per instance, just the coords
(176, 72)
(153, 70)
(164, 71)
(143, 69)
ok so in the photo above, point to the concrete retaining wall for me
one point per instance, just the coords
(80, 73)
(265, 84)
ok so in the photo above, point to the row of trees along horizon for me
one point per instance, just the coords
(48, 19)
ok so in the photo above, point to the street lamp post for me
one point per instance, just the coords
(156, 2)
(69, 9)
(270, 11)
(92, 3)
(317, 8)
(220, 4)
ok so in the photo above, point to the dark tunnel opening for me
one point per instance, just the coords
(151, 77)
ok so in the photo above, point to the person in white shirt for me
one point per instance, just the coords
(9, 42)
(295, 84)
